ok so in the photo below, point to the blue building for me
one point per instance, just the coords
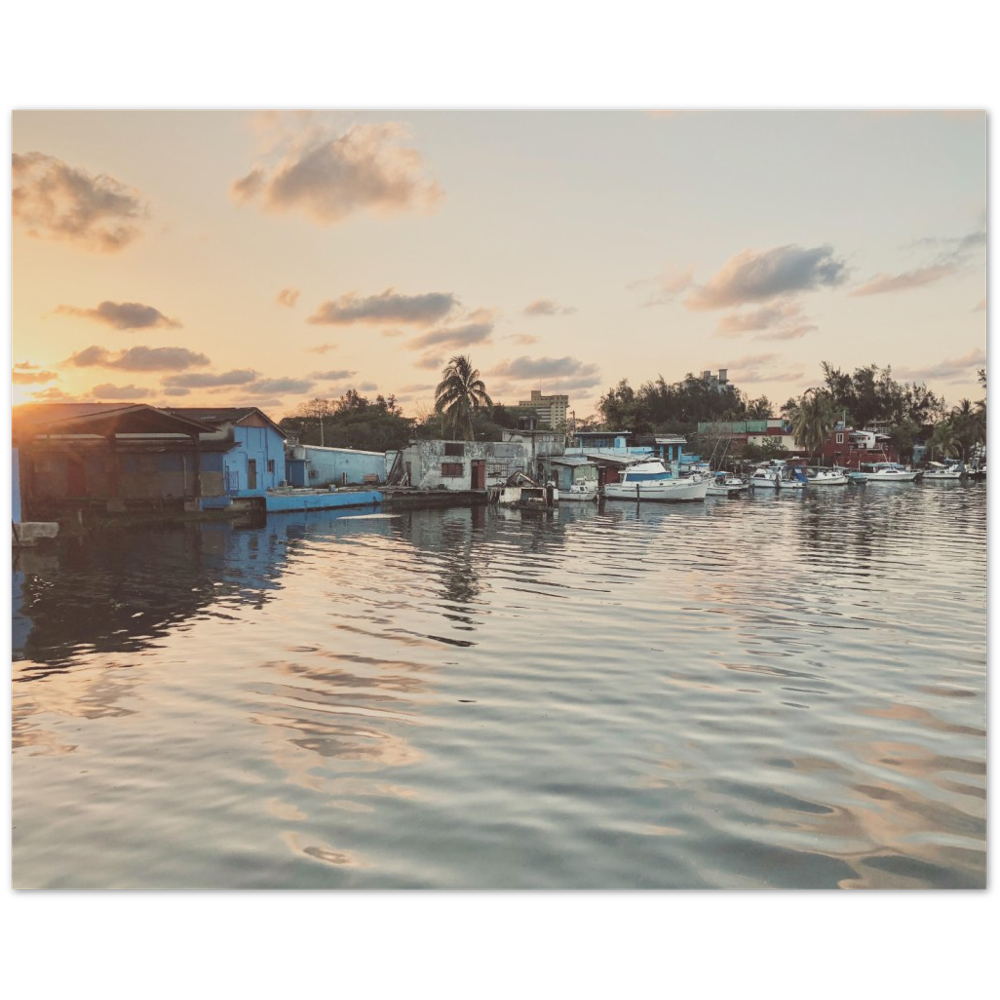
(254, 459)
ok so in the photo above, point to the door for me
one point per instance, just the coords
(76, 479)
(478, 474)
(251, 473)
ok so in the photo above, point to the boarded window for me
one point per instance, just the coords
(452, 470)
(454, 448)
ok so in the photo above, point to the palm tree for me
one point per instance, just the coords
(812, 420)
(460, 392)
(968, 425)
(943, 441)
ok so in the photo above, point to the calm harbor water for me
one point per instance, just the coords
(769, 691)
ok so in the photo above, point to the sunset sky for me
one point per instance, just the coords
(195, 258)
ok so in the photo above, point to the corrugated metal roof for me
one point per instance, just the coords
(572, 460)
(221, 414)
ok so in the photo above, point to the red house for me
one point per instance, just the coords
(850, 449)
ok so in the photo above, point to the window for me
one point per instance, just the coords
(270, 465)
(454, 448)
(452, 470)
(498, 470)
(840, 439)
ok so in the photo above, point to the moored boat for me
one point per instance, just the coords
(584, 490)
(726, 484)
(652, 480)
(828, 477)
(773, 477)
(939, 472)
(890, 472)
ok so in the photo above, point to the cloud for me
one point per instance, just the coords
(367, 387)
(140, 359)
(322, 348)
(55, 201)
(752, 276)
(419, 387)
(108, 391)
(53, 395)
(950, 368)
(568, 372)
(176, 391)
(394, 332)
(430, 361)
(456, 336)
(547, 307)
(752, 368)
(385, 308)
(788, 332)
(278, 385)
(764, 318)
(953, 255)
(327, 177)
(669, 285)
(522, 338)
(918, 278)
(122, 315)
(202, 380)
(333, 376)
(19, 376)
(288, 297)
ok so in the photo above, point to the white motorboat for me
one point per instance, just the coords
(890, 472)
(585, 490)
(772, 477)
(828, 477)
(652, 480)
(726, 484)
(944, 473)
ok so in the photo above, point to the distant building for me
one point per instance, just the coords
(719, 382)
(551, 410)
(851, 448)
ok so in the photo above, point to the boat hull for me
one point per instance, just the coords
(658, 491)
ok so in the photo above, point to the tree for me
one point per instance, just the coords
(943, 442)
(813, 420)
(460, 393)
(967, 425)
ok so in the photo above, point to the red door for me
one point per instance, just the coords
(478, 474)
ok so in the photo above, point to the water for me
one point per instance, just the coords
(772, 691)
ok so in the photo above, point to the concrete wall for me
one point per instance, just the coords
(426, 458)
(340, 466)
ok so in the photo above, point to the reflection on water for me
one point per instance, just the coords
(777, 691)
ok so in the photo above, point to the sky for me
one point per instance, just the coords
(203, 258)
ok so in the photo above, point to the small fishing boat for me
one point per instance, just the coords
(584, 490)
(940, 472)
(890, 472)
(828, 477)
(776, 477)
(726, 484)
(652, 480)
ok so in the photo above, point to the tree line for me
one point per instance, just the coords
(868, 397)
